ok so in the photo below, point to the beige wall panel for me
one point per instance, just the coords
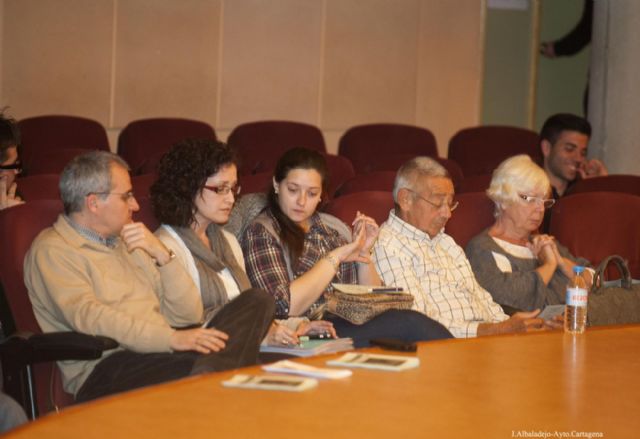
(166, 59)
(56, 57)
(332, 139)
(271, 61)
(2, 100)
(450, 67)
(370, 63)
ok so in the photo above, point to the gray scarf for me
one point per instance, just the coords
(209, 262)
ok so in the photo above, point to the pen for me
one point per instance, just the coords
(385, 290)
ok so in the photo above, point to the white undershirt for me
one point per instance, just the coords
(229, 283)
(519, 251)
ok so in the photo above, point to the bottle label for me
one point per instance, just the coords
(577, 297)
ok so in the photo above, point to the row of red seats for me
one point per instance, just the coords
(50, 141)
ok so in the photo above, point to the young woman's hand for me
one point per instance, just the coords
(280, 335)
(315, 327)
(371, 231)
(354, 251)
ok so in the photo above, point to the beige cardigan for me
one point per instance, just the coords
(78, 285)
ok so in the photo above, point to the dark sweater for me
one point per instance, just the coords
(523, 288)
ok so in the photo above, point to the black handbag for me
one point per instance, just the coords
(613, 302)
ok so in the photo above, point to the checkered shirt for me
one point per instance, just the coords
(438, 274)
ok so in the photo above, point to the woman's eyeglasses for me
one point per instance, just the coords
(546, 202)
(224, 189)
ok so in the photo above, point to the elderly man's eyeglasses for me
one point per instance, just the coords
(546, 202)
(125, 196)
(451, 206)
(224, 189)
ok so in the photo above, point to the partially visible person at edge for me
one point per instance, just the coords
(12, 414)
(573, 42)
(97, 272)
(563, 140)
(295, 253)
(193, 197)
(10, 165)
(518, 266)
(415, 253)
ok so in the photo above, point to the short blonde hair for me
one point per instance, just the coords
(515, 176)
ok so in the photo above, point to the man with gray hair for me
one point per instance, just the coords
(97, 272)
(413, 252)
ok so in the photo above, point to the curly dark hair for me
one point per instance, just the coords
(181, 174)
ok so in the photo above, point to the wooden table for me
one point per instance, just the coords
(493, 387)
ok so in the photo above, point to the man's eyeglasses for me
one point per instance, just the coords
(452, 206)
(17, 166)
(224, 190)
(125, 196)
(546, 202)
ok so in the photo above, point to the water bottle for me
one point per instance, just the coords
(575, 314)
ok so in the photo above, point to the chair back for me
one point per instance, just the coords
(479, 150)
(145, 214)
(393, 162)
(261, 143)
(475, 183)
(53, 132)
(255, 183)
(367, 145)
(340, 171)
(629, 184)
(372, 181)
(141, 184)
(594, 225)
(54, 161)
(473, 215)
(39, 187)
(144, 139)
(19, 226)
(375, 204)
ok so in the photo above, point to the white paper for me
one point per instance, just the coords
(291, 367)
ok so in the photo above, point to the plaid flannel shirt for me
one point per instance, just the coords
(267, 267)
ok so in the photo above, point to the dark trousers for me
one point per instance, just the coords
(245, 319)
(401, 324)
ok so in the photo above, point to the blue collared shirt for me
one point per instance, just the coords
(92, 235)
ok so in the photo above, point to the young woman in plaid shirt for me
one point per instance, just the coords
(296, 253)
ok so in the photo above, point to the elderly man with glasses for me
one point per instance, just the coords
(413, 252)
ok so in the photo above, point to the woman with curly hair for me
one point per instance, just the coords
(192, 198)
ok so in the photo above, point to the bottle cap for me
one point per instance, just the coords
(577, 269)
